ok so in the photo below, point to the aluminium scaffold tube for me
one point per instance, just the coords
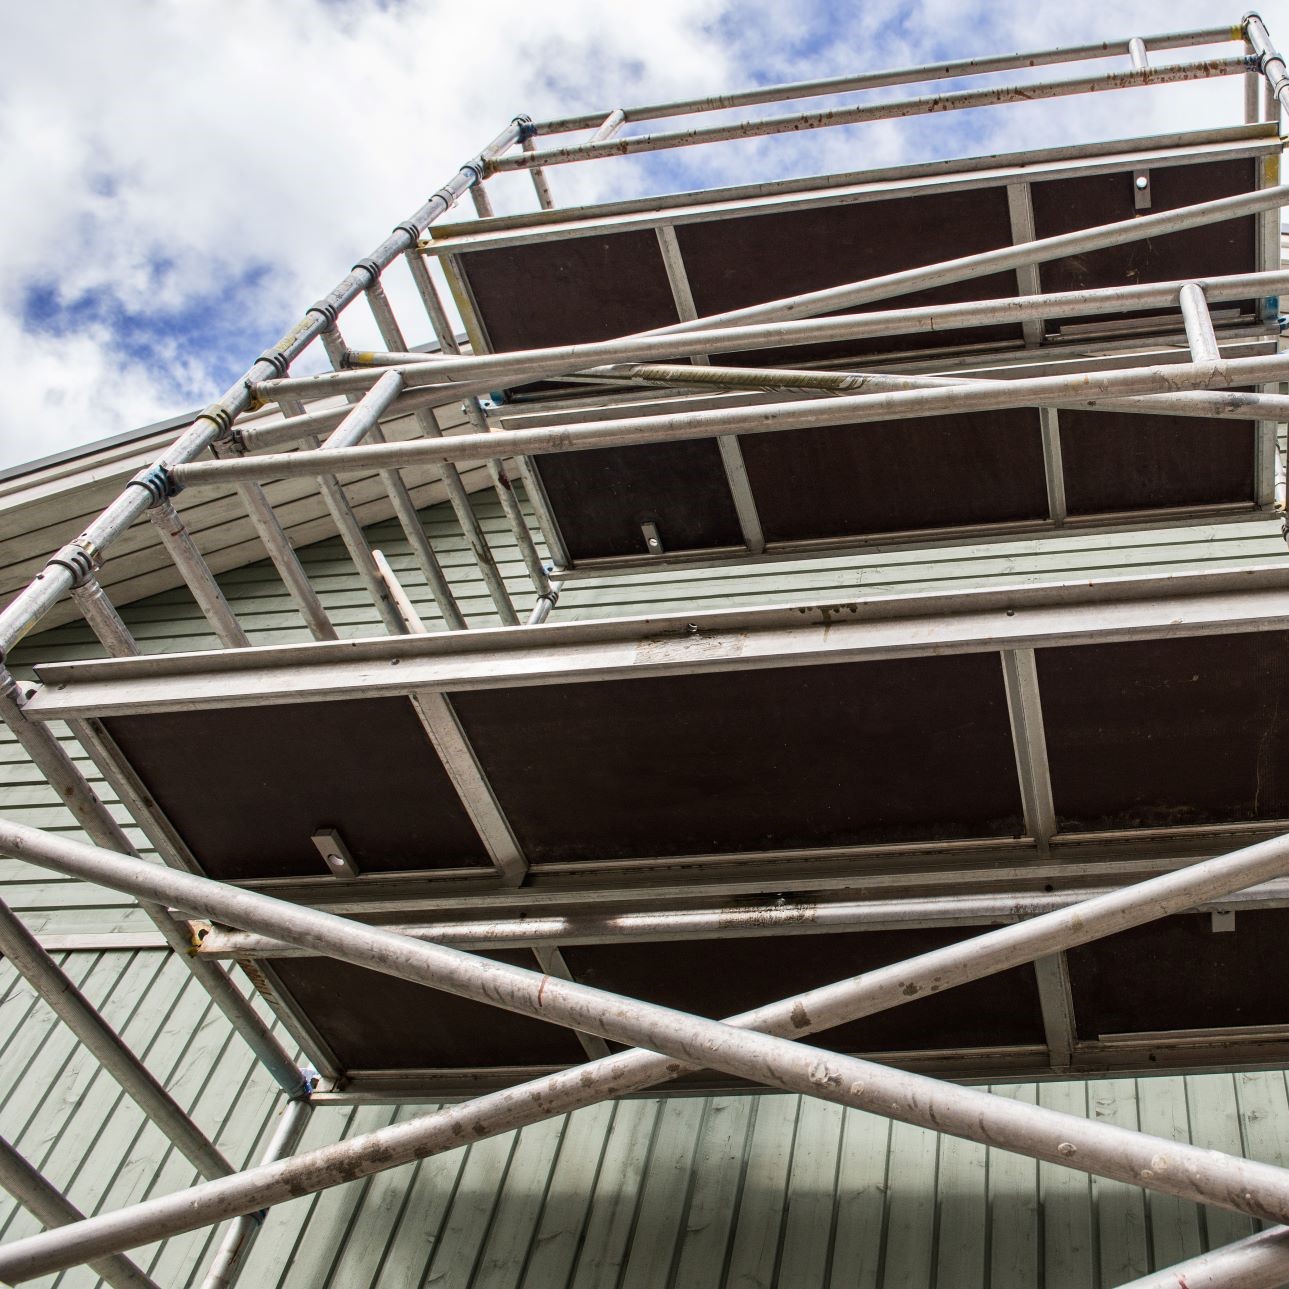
(797, 916)
(1269, 60)
(405, 511)
(237, 1240)
(453, 486)
(1230, 404)
(409, 518)
(1040, 391)
(259, 510)
(296, 429)
(355, 539)
(31, 1189)
(360, 419)
(66, 1001)
(962, 67)
(77, 794)
(1259, 1262)
(961, 100)
(82, 556)
(671, 1043)
(196, 574)
(392, 335)
(98, 610)
(512, 367)
(1198, 323)
(442, 328)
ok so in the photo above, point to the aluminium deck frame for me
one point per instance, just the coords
(1179, 872)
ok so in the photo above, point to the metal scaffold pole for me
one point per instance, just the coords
(78, 794)
(1192, 346)
(1038, 391)
(49, 1206)
(213, 425)
(52, 985)
(746, 1045)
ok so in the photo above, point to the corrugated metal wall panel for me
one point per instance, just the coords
(643, 1194)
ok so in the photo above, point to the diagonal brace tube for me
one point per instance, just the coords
(516, 366)
(49, 756)
(1038, 391)
(1259, 1262)
(34, 1192)
(50, 982)
(1235, 405)
(735, 1047)
(213, 424)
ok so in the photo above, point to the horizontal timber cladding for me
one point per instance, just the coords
(685, 1191)
(752, 760)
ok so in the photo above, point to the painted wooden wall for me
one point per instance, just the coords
(688, 1192)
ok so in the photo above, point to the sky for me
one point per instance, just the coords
(180, 179)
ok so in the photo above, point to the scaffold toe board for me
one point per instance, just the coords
(1039, 733)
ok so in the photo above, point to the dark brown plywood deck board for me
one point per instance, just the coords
(720, 978)
(1168, 733)
(246, 787)
(602, 497)
(901, 750)
(745, 260)
(374, 1021)
(1178, 973)
(1129, 462)
(887, 476)
(572, 290)
(1064, 205)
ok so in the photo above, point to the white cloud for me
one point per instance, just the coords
(152, 152)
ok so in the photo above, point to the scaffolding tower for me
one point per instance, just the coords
(795, 817)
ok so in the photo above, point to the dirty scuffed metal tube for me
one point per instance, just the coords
(735, 1047)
